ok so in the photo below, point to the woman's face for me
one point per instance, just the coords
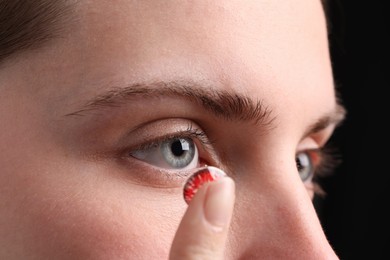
(103, 124)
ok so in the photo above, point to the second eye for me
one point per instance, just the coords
(173, 153)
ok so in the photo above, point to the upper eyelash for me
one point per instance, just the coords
(329, 159)
(199, 134)
(190, 132)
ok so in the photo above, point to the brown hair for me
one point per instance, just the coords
(29, 24)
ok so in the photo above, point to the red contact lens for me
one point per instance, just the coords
(207, 174)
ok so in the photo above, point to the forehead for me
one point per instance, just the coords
(252, 22)
(239, 42)
(250, 30)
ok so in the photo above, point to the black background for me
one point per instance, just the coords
(354, 213)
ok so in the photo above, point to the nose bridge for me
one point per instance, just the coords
(275, 219)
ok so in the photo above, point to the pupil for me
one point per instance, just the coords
(177, 148)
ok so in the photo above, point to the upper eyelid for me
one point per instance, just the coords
(147, 144)
(155, 130)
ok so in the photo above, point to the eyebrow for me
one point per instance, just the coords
(221, 103)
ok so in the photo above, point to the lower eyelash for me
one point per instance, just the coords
(318, 190)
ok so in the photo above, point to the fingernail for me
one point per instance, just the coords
(219, 201)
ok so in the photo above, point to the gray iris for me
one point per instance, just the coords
(178, 152)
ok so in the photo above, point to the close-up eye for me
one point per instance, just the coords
(171, 153)
(305, 165)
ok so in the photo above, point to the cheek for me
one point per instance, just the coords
(75, 214)
(93, 231)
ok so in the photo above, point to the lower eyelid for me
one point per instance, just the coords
(147, 175)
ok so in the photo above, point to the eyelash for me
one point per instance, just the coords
(328, 158)
(190, 132)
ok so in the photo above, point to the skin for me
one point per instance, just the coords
(65, 193)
